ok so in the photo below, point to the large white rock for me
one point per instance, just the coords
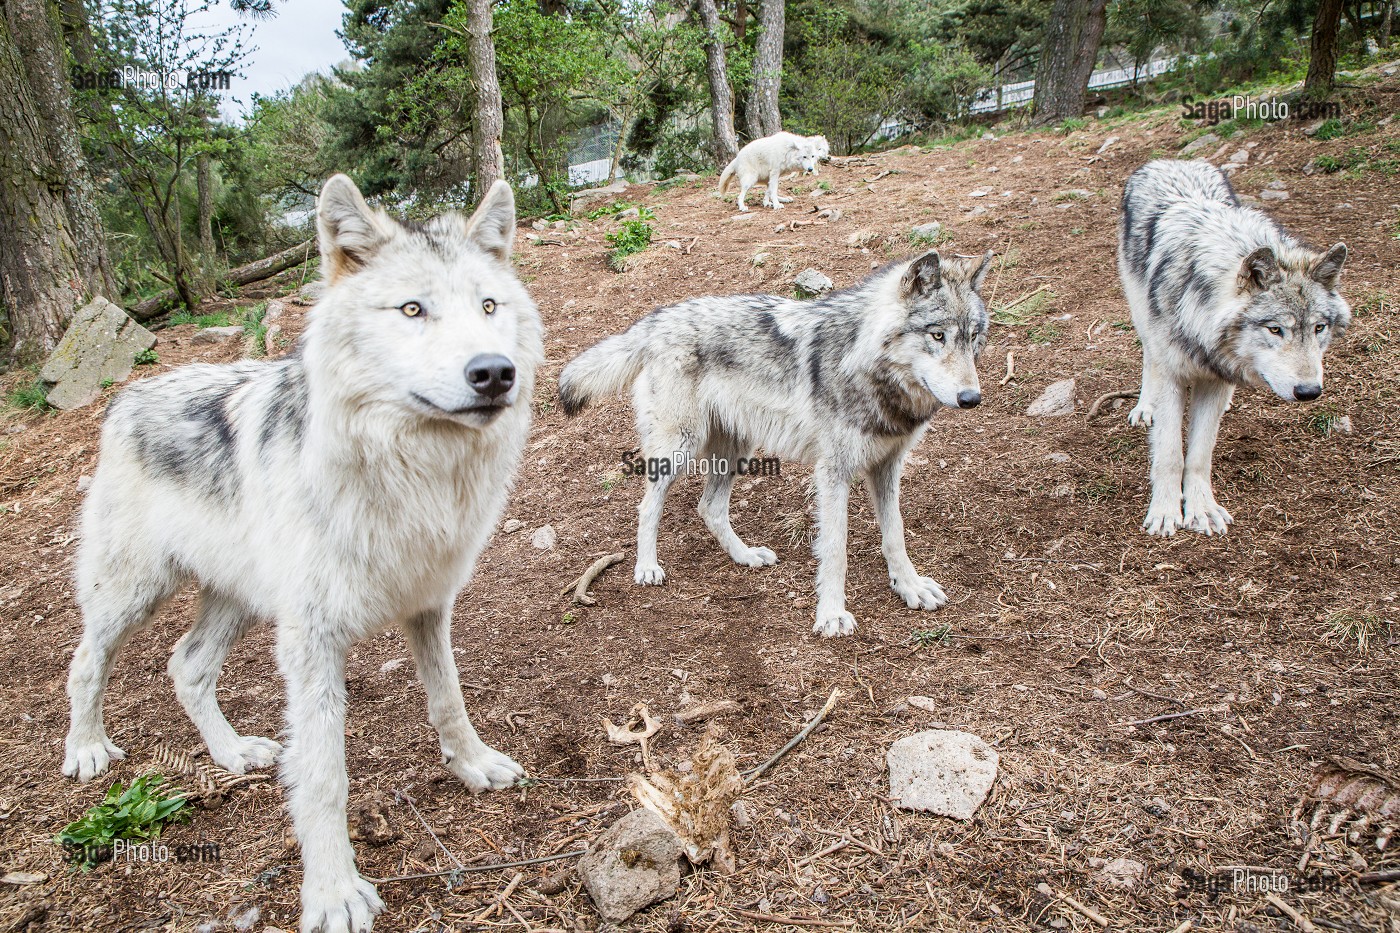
(1057, 400)
(98, 349)
(635, 863)
(813, 282)
(942, 771)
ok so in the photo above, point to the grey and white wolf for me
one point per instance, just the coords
(847, 383)
(339, 491)
(767, 160)
(1221, 296)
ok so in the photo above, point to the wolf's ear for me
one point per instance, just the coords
(1327, 270)
(923, 276)
(492, 227)
(980, 275)
(1259, 271)
(349, 231)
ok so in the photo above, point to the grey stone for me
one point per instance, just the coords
(1199, 143)
(1122, 873)
(99, 347)
(1240, 156)
(217, 334)
(863, 237)
(544, 537)
(942, 771)
(929, 231)
(1107, 144)
(1056, 401)
(512, 525)
(813, 282)
(1270, 194)
(634, 864)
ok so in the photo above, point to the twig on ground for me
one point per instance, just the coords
(1010, 368)
(1379, 877)
(500, 900)
(1084, 909)
(575, 853)
(1024, 298)
(753, 773)
(1162, 718)
(795, 921)
(1106, 398)
(581, 585)
(1303, 923)
(403, 795)
(1185, 927)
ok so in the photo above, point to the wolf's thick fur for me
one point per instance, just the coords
(1221, 296)
(338, 492)
(847, 383)
(766, 160)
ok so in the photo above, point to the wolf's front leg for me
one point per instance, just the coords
(1208, 403)
(833, 498)
(1164, 439)
(334, 898)
(476, 764)
(916, 591)
(772, 200)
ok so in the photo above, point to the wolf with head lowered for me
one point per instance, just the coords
(339, 491)
(847, 383)
(1221, 297)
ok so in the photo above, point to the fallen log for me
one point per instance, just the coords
(256, 271)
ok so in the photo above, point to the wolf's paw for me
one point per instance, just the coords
(833, 624)
(1207, 516)
(743, 209)
(920, 592)
(649, 575)
(1162, 521)
(247, 753)
(88, 760)
(1140, 416)
(488, 769)
(756, 557)
(345, 904)
(784, 200)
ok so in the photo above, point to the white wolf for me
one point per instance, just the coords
(767, 160)
(339, 491)
(1221, 296)
(847, 382)
(821, 149)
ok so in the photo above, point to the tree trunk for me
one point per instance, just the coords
(1067, 56)
(53, 255)
(763, 116)
(1322, 62)
(1387, 14)
(488, 161)
(264, 268)
(203, 177)
(721, 98)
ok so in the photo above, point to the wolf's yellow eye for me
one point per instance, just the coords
(488, 305)
(1319, 328)
(411, 309)
(1276, 330)
(937, 335)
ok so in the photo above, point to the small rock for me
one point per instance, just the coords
(1107, 144)
(216, 334)
(979, 209)
(512, 525)
(989, 136)
(929, 231)
(98, 348)
(1342, 425)
(634, 864)
(942, 771)
(544, 538)
(1056, 401)
(274, 310)
(632, 213)
(1057, 456)
(1276, 186)
(312, 291)
(245, 919)
(1017, 160)
(760, 259)
(1098, 694)
(979, 193)
(1121, 873)
(24, 877)
(1240, 156)
(927, 704)
(392, 664)
(859, 239)
(84, 482)
(1270, 194)
(1199, 143)
(813, 282)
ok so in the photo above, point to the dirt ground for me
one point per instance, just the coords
(1066, 624)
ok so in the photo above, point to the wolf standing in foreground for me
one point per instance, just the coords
(339, 492)
(1221, 296)
(847, 382)
(767, 160)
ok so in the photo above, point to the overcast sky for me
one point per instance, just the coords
(300, 39)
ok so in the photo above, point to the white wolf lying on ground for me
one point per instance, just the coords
(1221, 296)
(767, 159)
(339, 491)
(847, 382)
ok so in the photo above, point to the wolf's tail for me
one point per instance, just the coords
(727, 174)
(607, 368)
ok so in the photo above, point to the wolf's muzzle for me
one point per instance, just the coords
(491, 374)
(1307, 392)
(969, 398)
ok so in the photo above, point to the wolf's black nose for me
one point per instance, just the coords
(491, 374)
(1306, 393)
(969, 398)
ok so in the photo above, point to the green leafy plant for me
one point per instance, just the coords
(1329, 129)
(217, 319)
(633, 237)
(147, 357)
(135, 814)
(929, 637)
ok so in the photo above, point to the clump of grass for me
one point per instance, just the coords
(633, 237)
(29, 397)
(1099, 489)
(617, 207)
(135, 814)
(1354, 628)
(255, 330)
(925, 240)
(217, 319)
(1072, 124)
(147, 357)
(1330, 129)
(1048, 332)
(1019, 313)
(931, 637)
(1324, 422)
